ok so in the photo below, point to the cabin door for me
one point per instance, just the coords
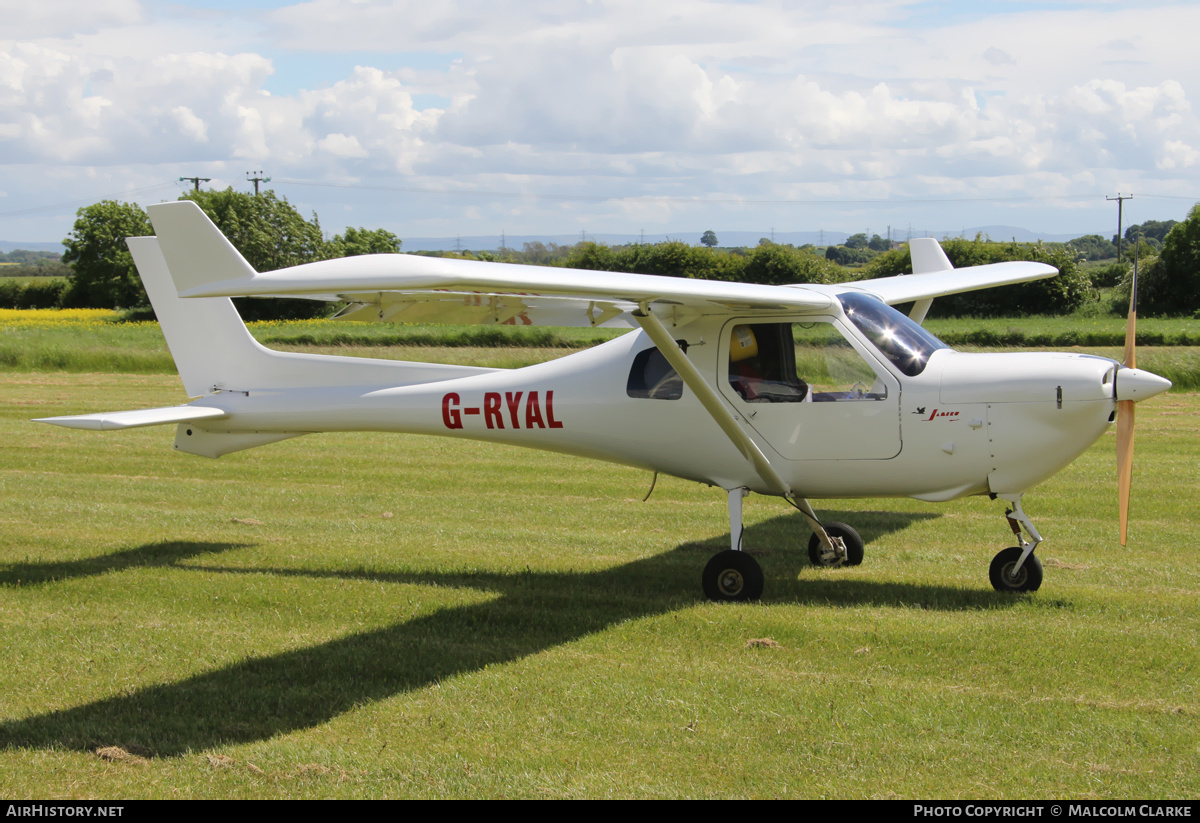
(810, 390)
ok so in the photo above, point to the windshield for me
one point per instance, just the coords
(899, 339)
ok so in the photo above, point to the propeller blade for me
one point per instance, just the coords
(1125, 415)
(1131, 325)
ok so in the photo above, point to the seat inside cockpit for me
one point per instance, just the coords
(762, 364)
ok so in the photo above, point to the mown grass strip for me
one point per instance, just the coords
(363, 615)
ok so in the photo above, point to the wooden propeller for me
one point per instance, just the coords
(1126, 414)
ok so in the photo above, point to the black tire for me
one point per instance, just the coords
(733, 577)
(854, 545)
(1028, 579)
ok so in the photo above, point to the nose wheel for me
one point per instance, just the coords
(1006, 576)
(1017, 569)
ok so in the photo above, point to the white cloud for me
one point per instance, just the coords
(621, 100)
(64, 18)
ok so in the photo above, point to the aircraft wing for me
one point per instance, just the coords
(909, 287)
(364, 278)
(390, 286)
(412, 288)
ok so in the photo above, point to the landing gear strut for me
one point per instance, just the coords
(845, 549)
(1016, 569)
(733, 575)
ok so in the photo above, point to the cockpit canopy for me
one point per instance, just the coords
(903, 342)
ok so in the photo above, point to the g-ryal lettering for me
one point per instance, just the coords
(492, 411)
(450, 413)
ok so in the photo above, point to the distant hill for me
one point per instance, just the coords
(8, 245)
(487, 242)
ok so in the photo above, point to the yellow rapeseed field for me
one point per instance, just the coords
(48, 318)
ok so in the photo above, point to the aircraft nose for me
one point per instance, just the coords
(1136, 384)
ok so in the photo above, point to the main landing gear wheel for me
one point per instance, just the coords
(850, 538)
(733, 576)
(1028, 579)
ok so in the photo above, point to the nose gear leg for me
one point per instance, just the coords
(1016, 520)
(1017, 569)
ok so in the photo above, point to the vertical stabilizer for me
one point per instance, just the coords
(212, 348)
(928, 256)
(195, 250)
(206, 336)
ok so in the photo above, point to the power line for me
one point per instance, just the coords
(257, 180)
(69, 203)
(1120, 211)
(196, 181)
(601, 198)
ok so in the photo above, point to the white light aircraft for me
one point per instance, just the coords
(708, 389)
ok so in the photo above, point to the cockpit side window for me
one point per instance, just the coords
(762, 364)
(810, 362)
(651, 376)
(903, 342)
(836, 371)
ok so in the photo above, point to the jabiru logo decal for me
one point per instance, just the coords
(936, 414)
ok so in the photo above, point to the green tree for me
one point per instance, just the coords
(709, 238)
(1153, 230)
(1171, 284)
(673, 258)
(848, 255)
(363, 241)
(266, 229)
(780, 265)
(271, 235)
(1094, 247)
(1058, 295)
(104, 275)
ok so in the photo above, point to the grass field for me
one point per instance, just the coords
(390, 616)
(89, 340)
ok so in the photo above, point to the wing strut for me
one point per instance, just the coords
(724, 418)
(710, 400)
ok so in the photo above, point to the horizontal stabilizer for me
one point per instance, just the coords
(111, 421)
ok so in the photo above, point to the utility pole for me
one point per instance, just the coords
(257, 180)
(196, 181)
(1120, 208)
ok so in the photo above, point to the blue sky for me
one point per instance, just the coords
(473, 118)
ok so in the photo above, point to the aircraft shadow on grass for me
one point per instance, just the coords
(257, 699)
(148, 556)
